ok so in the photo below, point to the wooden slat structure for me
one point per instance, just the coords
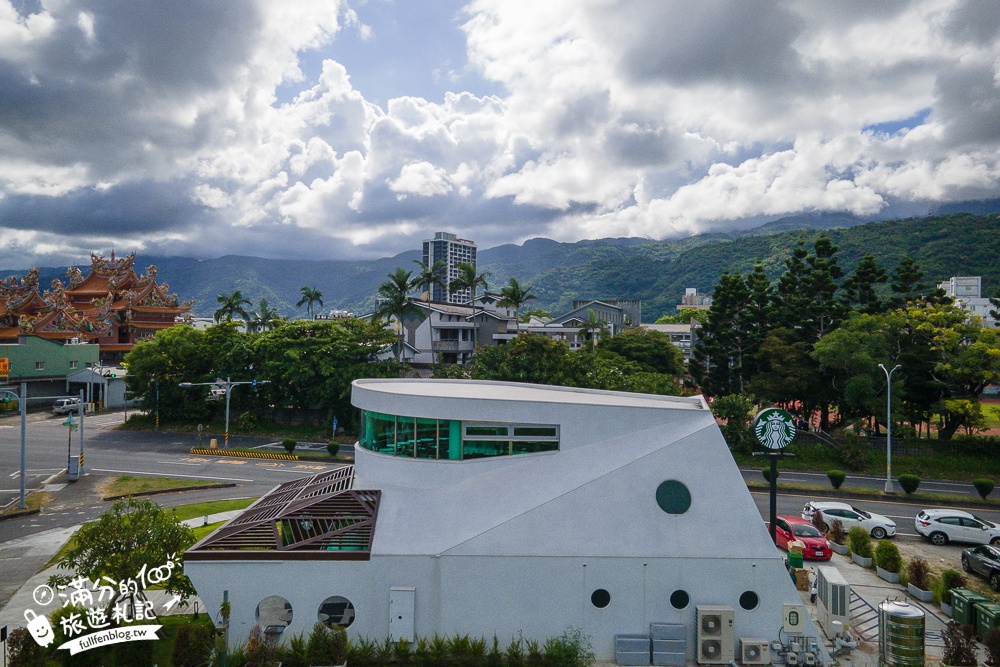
(314, 518)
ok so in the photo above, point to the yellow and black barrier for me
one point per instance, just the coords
(245, 454)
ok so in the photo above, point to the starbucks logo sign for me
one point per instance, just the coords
(774, 428)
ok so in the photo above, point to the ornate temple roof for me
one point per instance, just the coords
(111, 296)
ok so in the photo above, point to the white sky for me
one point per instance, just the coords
(344, 129)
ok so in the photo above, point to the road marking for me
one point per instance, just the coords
(178, 463)
(294, 472)
(156, 474)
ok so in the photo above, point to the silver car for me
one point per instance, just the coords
(64, 406)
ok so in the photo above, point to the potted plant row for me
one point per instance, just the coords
(949, 579)
(888, 562)
(861, 546)
(837, 537)
(918, 581)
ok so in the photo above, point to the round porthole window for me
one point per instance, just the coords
(336, 610)
(274, 614)
(600, 598)
(749, 600)
(679, 599)
(673, 497)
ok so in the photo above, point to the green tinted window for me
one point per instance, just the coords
(485, 431)
(543, 431)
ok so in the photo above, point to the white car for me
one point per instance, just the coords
(878, 526)
(941, 526)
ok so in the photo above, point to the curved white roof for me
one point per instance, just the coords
(517, 391)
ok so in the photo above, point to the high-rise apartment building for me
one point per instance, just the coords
(453, 251)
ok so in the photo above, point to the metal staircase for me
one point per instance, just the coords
(864, 618)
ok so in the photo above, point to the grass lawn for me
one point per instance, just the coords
(128, 485)
(185, 512)
(992, 413)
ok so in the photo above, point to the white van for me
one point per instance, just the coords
(66, 405)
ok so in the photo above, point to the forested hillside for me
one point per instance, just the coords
(655, 272)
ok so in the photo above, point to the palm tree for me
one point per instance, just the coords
(430, 276)
(395, 302)
(310, 295)
(469, 279)
(593, 328)
(514, 295)
(265, 319)
(232, 304)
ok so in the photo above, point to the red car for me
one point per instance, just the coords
(788, 528)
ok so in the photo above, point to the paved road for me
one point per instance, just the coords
(109, 453)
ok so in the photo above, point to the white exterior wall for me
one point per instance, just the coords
(505, 596)
(518, 544)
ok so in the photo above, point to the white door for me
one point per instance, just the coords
(402, 602)
(974, 531)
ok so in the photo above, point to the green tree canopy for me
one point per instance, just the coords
(310, 297)
(395, 303)
(684, 316)
(652, 350)
(515, 295)
(311, 363)
(231, 305)
(133, 534)
(430, 276)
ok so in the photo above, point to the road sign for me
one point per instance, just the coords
(774, 428)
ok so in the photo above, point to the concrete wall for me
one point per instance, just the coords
(505, 596)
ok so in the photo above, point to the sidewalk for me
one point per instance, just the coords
(20, 559)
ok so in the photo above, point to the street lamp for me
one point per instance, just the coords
(228, 384)
(888, 426)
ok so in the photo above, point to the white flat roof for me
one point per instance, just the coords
(516, 391)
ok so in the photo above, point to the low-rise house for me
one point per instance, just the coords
(449, 333)
(967, 291)
(684, 336)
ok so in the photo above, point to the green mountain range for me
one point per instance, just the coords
(656, 272)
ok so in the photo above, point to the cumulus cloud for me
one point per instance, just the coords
(162, 127)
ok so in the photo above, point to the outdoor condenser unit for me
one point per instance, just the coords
(754, 651)
(716, 638)
(833, 599)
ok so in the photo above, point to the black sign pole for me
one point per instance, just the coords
(774, 494)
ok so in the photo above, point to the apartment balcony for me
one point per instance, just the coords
(452, 346)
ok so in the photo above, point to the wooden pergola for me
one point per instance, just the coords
(313, 518)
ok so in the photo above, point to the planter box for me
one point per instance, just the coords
(891, 577)
(841, 549)
(863, 562)
(920, 594)
(946, 609)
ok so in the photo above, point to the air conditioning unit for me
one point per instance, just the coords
(754, 651)
(833, 599)
(716, 639)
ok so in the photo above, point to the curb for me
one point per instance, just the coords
(224, 485)
(18, 515)
(248, 455)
